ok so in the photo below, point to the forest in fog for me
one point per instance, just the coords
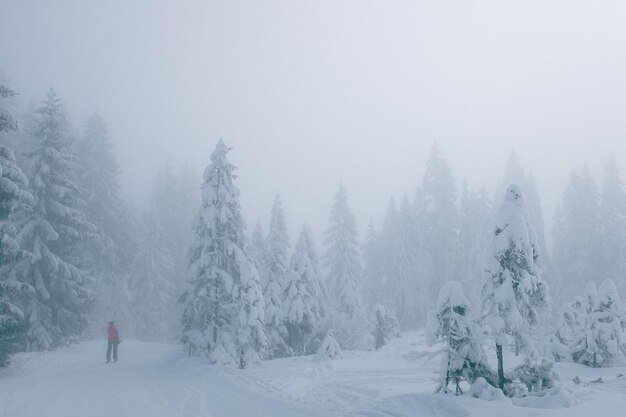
(186, 268)
(312, 208)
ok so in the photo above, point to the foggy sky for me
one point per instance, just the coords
(313, 92)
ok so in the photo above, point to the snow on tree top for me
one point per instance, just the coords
(451, 295)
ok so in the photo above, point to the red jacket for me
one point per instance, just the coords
(113, 334)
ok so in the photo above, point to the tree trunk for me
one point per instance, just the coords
(501, 379)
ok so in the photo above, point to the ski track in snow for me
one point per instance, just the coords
(154, 380)
(149, 380)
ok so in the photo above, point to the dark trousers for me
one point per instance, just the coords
(112, 346)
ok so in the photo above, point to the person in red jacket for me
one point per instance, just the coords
(114, 340)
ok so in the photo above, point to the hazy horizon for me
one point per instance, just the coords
(313, 93)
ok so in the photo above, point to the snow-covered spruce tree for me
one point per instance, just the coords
(346, 311)
(513, 295)
(276, 282)
(188, 197)
(514, 174)
(373, 270)
(408, 268)
(475, 225)
(8, 121)
(301, 298)
(259, 251)
(153, 293)
(329, 349)
(109, 254)
(598, 336)
(613, 226)
(52, 233)
(576, 252)
(13, 183)
(114, 246)
(223, 303)
(317, 288)
(384, 325)
(610, 322)
(575, 323)
(439, 219)
(464, 358)
(174, 195)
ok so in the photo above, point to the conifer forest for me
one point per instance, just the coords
(312, 209)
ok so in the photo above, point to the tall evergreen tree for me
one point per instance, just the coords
(373, 268)
(317, 289)
(152, 289)
(100, 178)
(344, 275)
(514, 295)
(259, 251)
(110, 253)
(188, 196)
(451, 322)
(439, 219)
(302, 300)
(174, 195)
(576, 236)
(276, 280)
(476, 220)
(612, 227)
(514, 174)
(13, 184)
(408, 268)
(223, 302)
(52, 232)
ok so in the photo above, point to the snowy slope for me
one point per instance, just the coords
(159, 380)
(149, 380)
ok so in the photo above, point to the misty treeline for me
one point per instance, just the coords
(74, 256)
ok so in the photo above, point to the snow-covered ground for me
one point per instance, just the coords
(154, 380)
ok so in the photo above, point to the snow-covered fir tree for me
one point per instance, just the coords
(13, 184)
(408, 268)
(302, 298)
(476, 221)
(384, 325)
(439, 219)
(52, 233)
(612, 227)
(514, 174)
(317, 288)
(609, 322)
(223, 302)
(8, 121)
(514, 295)
(100, 178)
(576, 251)
(451, 323)
(174, 197)
(110, 253)
(276, 281)
(573, 329)
(329, 349)
(343, 282)
(259, 251)
(151, 285)
(593, 326)
(373, 271)
(188, 197)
